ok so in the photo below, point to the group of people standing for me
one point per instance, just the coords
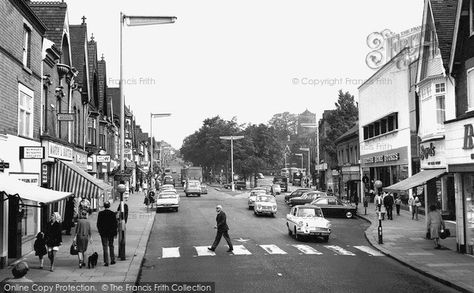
(388, 200)
(49, 241)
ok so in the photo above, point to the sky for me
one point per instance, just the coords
(246, 59)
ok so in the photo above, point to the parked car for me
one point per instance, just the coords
(283, 181)
(296, 193)
(167, 199)
(260, 176)
(308, 220)
(253, 197)
(265, 204)
(203, 188)
(306, 197)
(167, 186)
(238, 185)
(168, 180)
(275, 189)
(193, 187)
(333, 207)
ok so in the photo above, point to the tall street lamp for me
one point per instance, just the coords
(309, 160)
(315, 125)
(232, 138)
(300, 155)
(132, 21)
(152, 157)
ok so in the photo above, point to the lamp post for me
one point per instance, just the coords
(300, 155)
(132, 21)
(315, 125)
(232, 138)
(152, 157)
(308, 171)
(378, 187)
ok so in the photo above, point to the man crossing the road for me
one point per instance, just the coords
(222, 230)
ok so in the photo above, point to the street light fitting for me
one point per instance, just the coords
(148, 20)
(231, 137)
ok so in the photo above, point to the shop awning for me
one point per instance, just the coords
(415, 180)
(12, 186)
(67, 176)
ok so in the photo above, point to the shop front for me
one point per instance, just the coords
(389, 167)
(460, 161)
(25, 202)
(351, 181)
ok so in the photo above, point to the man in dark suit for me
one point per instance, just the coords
(107, 226)
(222, 230)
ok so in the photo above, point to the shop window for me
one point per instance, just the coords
(29, 220)
(469, 210)
(440, 109)
(470, 89)
(25, 111)
(26, 45)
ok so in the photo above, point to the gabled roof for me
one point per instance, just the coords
(353, 131)
(78, 35)
(306, 113)
(114, 94)
(53, 15)
(444, 15)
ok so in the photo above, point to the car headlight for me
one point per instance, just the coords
(259, 206)
(300, 223)
(274, 207)
(328, 225)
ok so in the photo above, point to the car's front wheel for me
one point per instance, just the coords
(296, 234)
(348, 214)
(326, 238)
(289, 230)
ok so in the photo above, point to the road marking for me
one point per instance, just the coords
(203, 251)
(419, 253)
(240, 250)
(272, 249)
(338, 250)
(369, 250)
(306, 249)
(169, 252)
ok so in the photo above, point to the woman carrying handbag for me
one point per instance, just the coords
(83, 237)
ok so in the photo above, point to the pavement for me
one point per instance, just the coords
(404, 240)
(140, 222)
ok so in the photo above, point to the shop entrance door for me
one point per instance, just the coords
(14, 228)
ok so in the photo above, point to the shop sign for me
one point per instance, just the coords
(44, 173)
(130, 165)
(66, 116)
(81, 159)
(59, 151)
(31, 152)
(127, 151)
(428, 151)
(392, 157)
(103, 158)
(30, 178)
(144, 163)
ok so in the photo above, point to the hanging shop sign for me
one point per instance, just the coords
(32, 152)
(103, 158)
(66, 116)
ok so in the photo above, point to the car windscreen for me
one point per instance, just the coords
(168, 195)
(265, 198)
(193, 184)
(309, 212)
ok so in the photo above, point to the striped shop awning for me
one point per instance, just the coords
(66, 176)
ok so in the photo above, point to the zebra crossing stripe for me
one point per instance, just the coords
(369, 250)
(272, 249)
(306, 249)
(203, 251)
(338, 250)
(240, 250)
(169, 252)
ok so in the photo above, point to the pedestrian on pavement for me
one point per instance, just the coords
(83, 237)
(85, 204)
(398, 203)
(53, 237)
(107, 226)
(40, 247)
(222, 230)
(356, 200)
(378, 201)
(388, 203)
(416, 206)
(145, 187)
(435, 224)
(411, 203)
(125, 211)
(19, 272)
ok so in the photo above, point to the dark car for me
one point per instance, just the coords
(168, 180)
(333, 207)
(296, 193)
(307, 197)
(283, 181)
(239, 185)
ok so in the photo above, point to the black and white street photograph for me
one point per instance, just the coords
(237, 146)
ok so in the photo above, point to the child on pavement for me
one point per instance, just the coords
(40, 247)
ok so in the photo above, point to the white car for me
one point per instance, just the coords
(276, 189)
(265, 204)
(308, 220)
(167, 199)
(253, 197)
(167, 187)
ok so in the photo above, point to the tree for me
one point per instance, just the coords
(285, 124)
(340, 120)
